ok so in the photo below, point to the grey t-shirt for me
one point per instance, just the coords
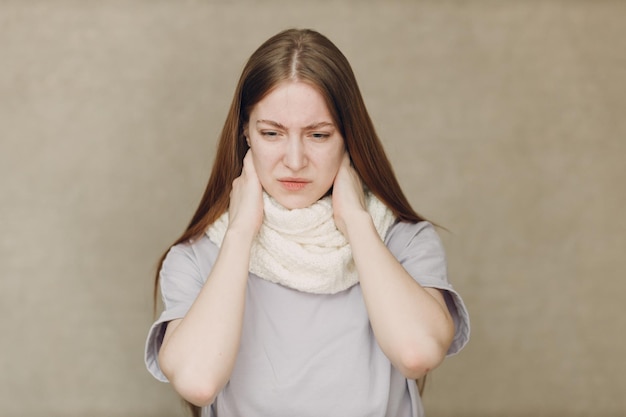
(307, 354)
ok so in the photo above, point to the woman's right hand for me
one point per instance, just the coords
(245, 212)
(199, 351)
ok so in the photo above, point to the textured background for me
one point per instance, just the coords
(505, 121)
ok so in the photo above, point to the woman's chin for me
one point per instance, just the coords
(293, 202)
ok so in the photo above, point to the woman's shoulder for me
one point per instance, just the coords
(199, 252)
(415, 241)
(405, 232)
(195, 245)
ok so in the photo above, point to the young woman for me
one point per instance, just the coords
(305, 284)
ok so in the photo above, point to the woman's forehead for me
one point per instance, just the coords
(292, 104)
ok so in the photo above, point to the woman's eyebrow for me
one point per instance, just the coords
(318, 125)
(271, 122)
(312, 126)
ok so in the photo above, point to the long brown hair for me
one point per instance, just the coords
(307, 56)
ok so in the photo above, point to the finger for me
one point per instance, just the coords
(248, 163)
(245, 169)
(246, 159)
(344, 167)
(346, 159)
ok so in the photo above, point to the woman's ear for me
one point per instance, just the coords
(246, 135)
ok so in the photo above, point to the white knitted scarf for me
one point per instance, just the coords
(302, 248)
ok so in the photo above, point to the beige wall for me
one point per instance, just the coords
(505, 121)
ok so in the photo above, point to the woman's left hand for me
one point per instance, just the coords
(348, 196)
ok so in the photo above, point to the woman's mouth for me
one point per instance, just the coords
(293, 184)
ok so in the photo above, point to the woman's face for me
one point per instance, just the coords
(296, 147)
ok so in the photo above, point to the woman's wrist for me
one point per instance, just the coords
(240, 236)
(358, 223)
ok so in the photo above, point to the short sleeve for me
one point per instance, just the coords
(180, 282)
(419, 250)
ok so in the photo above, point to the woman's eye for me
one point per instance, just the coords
(269, 133)
(320, 135)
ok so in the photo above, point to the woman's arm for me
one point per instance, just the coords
(411, 323)
(199, 351)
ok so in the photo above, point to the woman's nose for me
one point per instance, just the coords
(295, 155)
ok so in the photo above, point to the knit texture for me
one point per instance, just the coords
(302, 248)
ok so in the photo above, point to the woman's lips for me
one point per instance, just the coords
(293, 184)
